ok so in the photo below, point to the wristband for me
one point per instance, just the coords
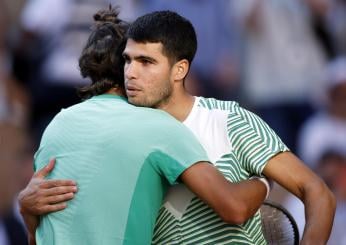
(265, 182)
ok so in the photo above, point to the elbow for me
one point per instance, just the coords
(331, 199)
(234, 215)
(328, 195)
(321, 192)
(235, 219)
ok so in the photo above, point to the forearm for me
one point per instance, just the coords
(291, 173)
(32, 240)
(31, 220)
(31, 223)
(319, 213)
(233, 202)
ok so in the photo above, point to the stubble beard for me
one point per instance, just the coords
(157, 99)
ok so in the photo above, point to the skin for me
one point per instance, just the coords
(151, 80)
(319, 202)
(43, 196)
(298, 179)
(149, 70)
(155, 89)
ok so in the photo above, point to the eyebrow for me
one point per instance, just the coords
(141, 57)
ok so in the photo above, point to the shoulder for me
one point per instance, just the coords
(215, 104)
(72, 109)
(156, 116)
(66, 116)
(232, 108)
(160, 121)
(229, 112)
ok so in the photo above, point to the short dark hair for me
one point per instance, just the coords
(176, 34)
(101, 59)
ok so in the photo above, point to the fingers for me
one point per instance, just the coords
(46, 169)
(59, 199)
(59, 190)
(57, 183)
(52, 208)
(45, 204)
(42, 196)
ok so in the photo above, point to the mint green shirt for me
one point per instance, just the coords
(123, 159)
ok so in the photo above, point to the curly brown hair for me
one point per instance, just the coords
(101, 59)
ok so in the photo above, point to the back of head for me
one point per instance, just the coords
(101, 59)
(176, 34)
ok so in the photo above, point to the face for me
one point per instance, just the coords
(148, 74)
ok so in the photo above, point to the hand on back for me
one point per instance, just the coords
(43, 196)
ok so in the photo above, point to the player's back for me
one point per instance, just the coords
(113, 151)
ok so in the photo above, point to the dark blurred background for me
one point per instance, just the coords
(282, 59)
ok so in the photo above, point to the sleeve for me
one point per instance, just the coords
(183, 150)
(253, 141)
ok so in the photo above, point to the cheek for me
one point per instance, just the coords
(150, 83)
(155, 81)
(148, 86)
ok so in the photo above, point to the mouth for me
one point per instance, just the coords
(132, 90)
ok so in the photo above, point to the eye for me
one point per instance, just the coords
(126, 59)
(146, 62)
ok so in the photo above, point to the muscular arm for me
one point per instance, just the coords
(233, 202)
(288, 171)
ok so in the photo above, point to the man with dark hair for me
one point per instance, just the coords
(158, 55)
(122, 167)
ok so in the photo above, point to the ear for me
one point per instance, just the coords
(180, 70)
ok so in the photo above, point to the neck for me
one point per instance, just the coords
(179, 104)
(117, 91)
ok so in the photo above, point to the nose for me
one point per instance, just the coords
(130, 71)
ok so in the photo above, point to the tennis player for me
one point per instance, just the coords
(158, 54)
(123, 158)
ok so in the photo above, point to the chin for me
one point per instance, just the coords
(137, 102)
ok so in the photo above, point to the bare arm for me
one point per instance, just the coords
(31, 223)
(288, 171)
(233, 202)
(43, 196)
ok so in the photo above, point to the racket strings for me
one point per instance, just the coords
(278, 226)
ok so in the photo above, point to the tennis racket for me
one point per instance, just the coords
(279, 227)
